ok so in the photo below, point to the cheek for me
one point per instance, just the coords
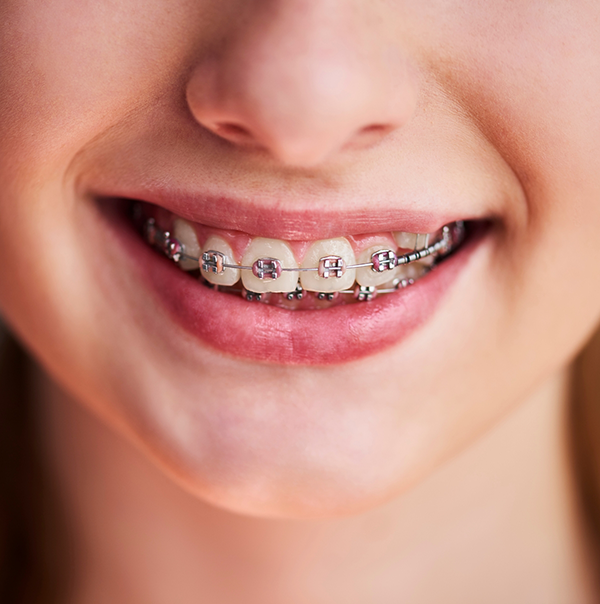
(528, 79)
(72, 69)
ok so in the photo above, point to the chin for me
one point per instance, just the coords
(284, 456)
(286, 480)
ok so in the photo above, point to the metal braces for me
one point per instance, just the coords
(270, 269)
(360, 292)
(297, 294)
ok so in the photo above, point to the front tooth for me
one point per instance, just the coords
(228, 276)
(340, 247)
(269, 250)
(185, 234)
(411, 241)
(366, 275)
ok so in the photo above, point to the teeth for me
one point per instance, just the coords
(427, 261)
(366, 275)
(411, 241)
(340, 247)
(228, 276)
(414, 270)
(405, 240)
(422, 240)
(260, 255)
(269, 265)
(185, 234)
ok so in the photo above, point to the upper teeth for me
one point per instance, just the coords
(268, 257)
(184, 233)
(412, 241)
(215, 272)
(332, 257)
(329, 265)
(370, 277)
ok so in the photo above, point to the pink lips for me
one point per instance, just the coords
(272, 218)
(260, 332)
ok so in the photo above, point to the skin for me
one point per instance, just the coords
(490, 110)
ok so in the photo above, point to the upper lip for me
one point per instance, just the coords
(272, 218)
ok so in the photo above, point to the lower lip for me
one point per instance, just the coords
(259, 332)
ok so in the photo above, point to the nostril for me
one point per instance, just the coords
(369, 135)
(232, 132)
(375, 131)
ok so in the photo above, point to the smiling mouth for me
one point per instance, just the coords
(292, 275)
(234, 289)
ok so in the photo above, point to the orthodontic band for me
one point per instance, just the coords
(270, 269)
(329, 267)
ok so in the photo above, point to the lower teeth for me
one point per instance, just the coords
(452, 236)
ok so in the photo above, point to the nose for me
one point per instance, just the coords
(303, 80)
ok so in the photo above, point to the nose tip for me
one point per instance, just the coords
(301, 94)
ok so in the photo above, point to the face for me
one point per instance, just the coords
(298, 121)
